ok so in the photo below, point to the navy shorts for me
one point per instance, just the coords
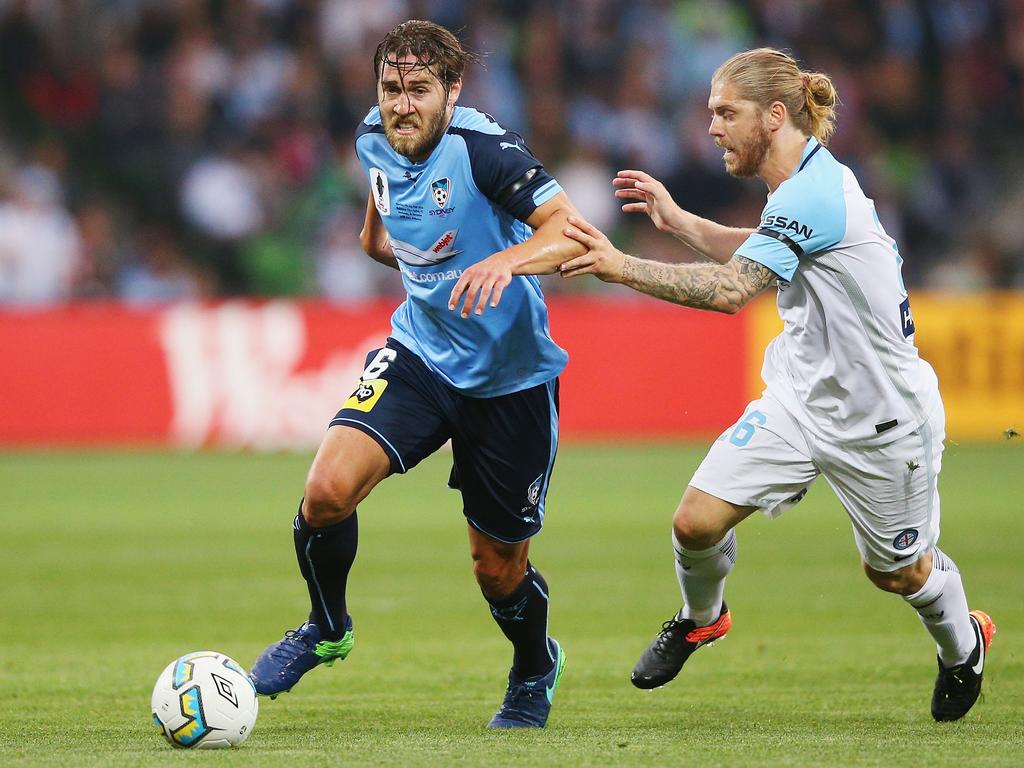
(504, 447)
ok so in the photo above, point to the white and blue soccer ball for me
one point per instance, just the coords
(204, 700)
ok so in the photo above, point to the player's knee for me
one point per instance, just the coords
(328, 500)
(497, 577)
(905, 581)
(694, 529)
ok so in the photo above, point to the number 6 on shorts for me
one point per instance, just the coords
(379, 364)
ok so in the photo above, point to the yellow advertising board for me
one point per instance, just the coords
(975, 343)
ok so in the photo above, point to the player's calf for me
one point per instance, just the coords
(902, 581)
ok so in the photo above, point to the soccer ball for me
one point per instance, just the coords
(204, 700)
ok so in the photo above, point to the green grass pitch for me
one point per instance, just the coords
(113, 564)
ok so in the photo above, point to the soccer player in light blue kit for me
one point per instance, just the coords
(469, 216)
(846, 394)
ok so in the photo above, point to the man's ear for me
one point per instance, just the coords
(777, 114)
(453, 92)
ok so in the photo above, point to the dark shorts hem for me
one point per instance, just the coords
(503, 539)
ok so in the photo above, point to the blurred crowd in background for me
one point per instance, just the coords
(155, 150)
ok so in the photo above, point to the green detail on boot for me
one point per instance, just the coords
(331, 650)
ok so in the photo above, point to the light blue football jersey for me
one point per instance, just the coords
(468, 200)
(845, 364)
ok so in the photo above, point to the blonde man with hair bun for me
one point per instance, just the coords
(846, 395)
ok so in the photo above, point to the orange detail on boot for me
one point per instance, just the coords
(713, 631)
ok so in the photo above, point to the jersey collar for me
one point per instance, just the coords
(812, 147)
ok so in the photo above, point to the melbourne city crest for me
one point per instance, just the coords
(441, 190)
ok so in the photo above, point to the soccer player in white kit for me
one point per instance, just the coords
(846, 396)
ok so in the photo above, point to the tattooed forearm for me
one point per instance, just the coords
(716, 287)
(702, 258)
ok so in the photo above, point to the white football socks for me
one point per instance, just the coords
(942, 607)
(701, 575)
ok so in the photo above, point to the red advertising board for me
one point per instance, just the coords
(269, 375)
(642, 368)
(82, 374)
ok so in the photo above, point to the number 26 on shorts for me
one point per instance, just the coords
(745, 428)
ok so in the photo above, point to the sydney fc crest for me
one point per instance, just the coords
(441, 190)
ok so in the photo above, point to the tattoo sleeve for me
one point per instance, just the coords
(716, 287)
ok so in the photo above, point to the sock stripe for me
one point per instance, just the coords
(726, 547)
(702, 575)
(942, 608)
(729, 547)
(523, 618)
(316, 583)
(943, 562)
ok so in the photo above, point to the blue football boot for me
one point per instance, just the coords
(281, 665)
(528, 701)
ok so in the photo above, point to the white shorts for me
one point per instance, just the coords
(890, 492)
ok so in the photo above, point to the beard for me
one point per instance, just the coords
(419, 145)
(749, 157)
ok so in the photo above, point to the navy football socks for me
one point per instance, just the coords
(325, 557)
(523, 617)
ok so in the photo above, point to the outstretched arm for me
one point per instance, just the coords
(648, 195)
(543, 253)
(715, 287)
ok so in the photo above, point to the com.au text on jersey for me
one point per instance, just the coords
(430, 277)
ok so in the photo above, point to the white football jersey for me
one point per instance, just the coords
(845, 364)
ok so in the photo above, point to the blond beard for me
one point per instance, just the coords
(749, 158)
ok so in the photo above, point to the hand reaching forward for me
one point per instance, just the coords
(484, 280)
(602, 259)
(651, 198)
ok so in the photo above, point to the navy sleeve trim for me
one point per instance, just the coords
(362, 129)
(787, 241)
(504, 170)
